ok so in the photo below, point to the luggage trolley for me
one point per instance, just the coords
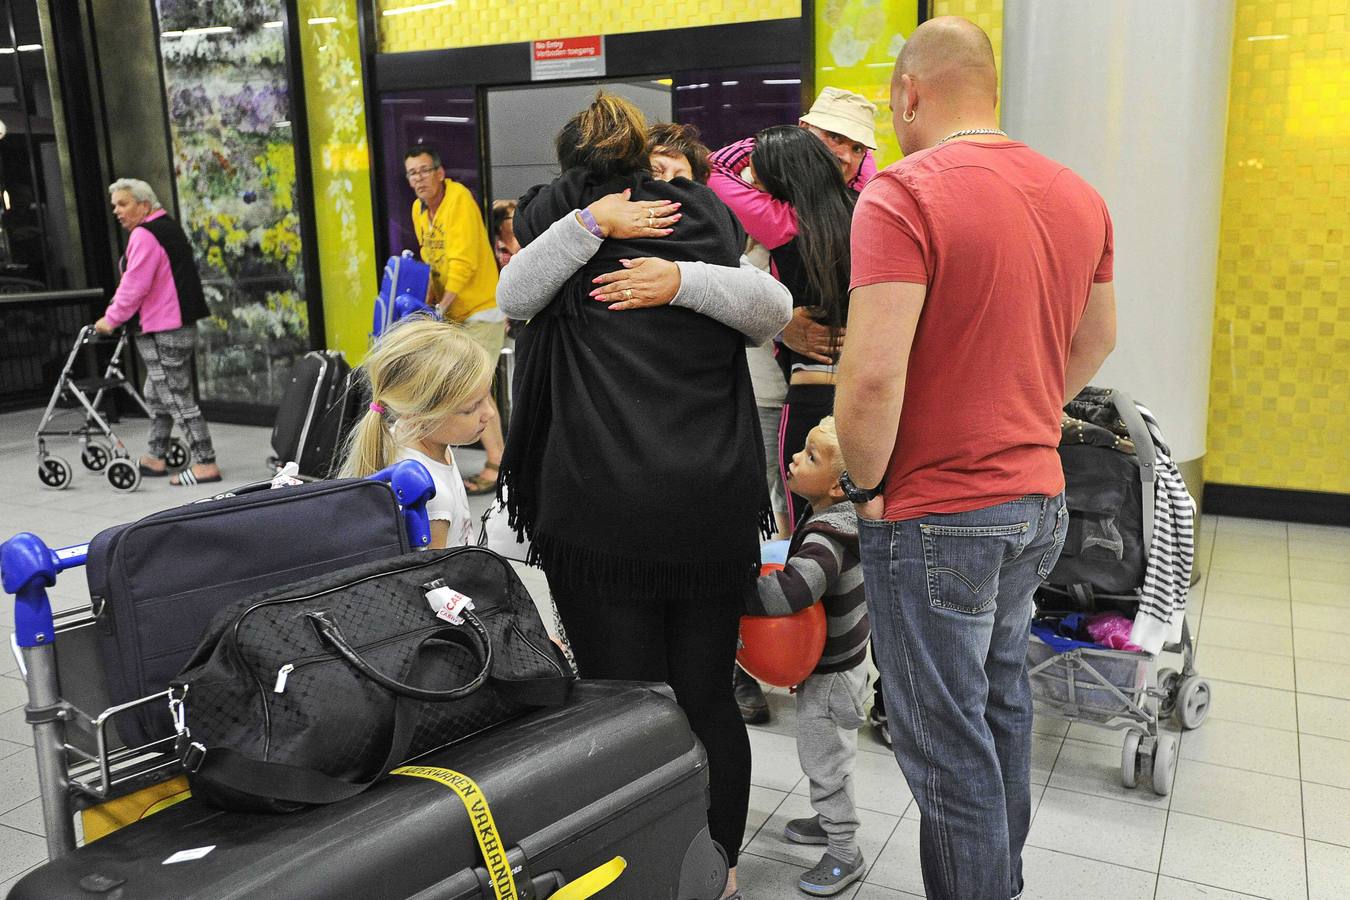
(102, 450)
(81, 762)
(1122, 689)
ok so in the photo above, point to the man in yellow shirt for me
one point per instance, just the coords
(454, 242)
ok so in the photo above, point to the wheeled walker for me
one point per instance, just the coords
(101, 450)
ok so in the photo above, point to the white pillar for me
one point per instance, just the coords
(1134, 98)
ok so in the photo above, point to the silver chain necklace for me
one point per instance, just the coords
(957, 134)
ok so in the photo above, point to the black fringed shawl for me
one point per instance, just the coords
(634, 460)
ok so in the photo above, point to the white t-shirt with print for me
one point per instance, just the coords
(451, 503)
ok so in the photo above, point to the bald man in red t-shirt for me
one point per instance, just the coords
(981, 298)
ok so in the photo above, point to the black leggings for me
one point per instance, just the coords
(804, 407)
(689, 644)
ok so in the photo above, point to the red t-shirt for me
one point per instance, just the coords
(1008, 243)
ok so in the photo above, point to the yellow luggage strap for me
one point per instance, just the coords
(490, 840)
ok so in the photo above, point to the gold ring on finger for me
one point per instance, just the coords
(628, 293)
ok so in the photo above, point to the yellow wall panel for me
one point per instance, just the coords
(406, 25)
(857, 42)
(340, 162)
(1280, 377)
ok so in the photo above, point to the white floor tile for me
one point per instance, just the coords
(769, 843)
(1335, 571)
(19, 851)
(1247, 667)
(7, 886)
(1301, 548)
(1049, 875)
(1326, 678)
(1249, 583)
(1327, 646)
(1324, 716)
(1325, 761)
(26, 818)
(1326, 813)
(1273, 560)
(1044, 752)
(1267, 610)
(18, 781)
(1095, 769)
(1050, 726)
(763, 803)
(773, 760)
(1237, 857)
(9, 748)
(1316, 617)
(13, 692)
(897, 867)
(1241, 635)
(14, 729)
(1092, 734)
(1234, 525)
(1234, 702)
(1328, 871)
(876, 892)
(767, 879)
(1241, 746)
(1236, 795)
(1322, 593)
(1170, 888)
(1111, 831)
(1325, 533)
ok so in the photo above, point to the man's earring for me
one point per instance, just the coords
(908, 116)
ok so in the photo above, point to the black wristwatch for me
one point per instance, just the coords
(856, 494)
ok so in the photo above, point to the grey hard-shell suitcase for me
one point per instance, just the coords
(614, 773)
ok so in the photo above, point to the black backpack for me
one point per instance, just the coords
(1109, 463)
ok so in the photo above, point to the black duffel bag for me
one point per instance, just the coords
(310, 693)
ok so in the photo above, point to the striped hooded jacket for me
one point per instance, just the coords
(823, 563)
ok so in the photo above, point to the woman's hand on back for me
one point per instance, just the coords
(640, 284)
(621, 218)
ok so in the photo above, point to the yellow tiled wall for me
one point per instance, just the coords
(421, 25)
(1280, 377)
(330, 52)
(856, 45)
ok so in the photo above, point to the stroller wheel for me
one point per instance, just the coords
(123, 475)
(178, 454)
(95, 456)
(1169, 680)
(1192, 706)
(55, 472)
(1164, 764)
(1129, 760)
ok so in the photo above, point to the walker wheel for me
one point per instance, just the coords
(95, 456)
(55, 472)
(1129, 760)
(124, 475)
(178, 454)
(1192, 707)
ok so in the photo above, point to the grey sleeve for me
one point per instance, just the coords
(535, 275)
(747, 298)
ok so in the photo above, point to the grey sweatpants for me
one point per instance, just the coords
(829, 714)
(168, 391)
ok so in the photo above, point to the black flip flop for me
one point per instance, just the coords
(147, 472)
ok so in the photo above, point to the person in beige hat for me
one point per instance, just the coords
(845, 122)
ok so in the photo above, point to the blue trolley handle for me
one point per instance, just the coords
(413, 487)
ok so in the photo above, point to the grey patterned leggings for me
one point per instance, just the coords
(168, 391)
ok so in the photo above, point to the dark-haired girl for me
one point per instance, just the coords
(634, 451)
(788, 191)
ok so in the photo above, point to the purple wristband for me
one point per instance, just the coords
(589, 221)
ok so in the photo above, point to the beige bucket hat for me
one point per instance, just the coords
(846, 113)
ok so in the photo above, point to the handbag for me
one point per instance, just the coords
(310, 693)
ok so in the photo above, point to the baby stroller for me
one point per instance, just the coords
(102, 450)
(1127, 556)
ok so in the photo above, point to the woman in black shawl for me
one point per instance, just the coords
(633, 459)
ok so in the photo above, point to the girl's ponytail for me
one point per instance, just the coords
(370, 448)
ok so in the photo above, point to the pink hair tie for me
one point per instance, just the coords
(377, 408)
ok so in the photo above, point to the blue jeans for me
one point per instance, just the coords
(950, 602)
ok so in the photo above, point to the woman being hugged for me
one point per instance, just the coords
(430, 384)
(634, 451)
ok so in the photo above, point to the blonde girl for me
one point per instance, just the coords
(430, 391)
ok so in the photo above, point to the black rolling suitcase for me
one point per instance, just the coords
(614, 773)
(320, 405)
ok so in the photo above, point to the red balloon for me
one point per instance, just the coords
(782, 650)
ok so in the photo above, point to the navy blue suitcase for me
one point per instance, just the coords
(614, 773)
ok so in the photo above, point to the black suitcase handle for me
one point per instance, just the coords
(476, 639)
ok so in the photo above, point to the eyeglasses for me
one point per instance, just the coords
(414, 174)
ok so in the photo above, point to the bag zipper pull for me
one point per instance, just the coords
(282, 674)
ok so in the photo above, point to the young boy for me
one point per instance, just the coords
(823, 565)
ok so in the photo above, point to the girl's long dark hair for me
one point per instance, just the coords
(795, 166)
(608, 137)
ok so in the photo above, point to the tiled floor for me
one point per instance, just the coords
(1261, 803)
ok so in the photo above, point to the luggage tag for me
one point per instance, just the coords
(446, 602)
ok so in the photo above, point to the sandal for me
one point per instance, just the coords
(477, 485)
(147, 472)
(187, 478)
